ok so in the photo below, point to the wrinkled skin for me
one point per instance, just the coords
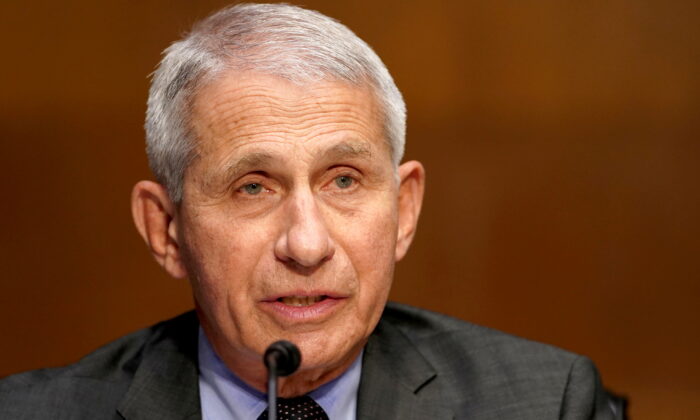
(292, 219)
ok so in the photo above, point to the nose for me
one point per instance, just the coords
(304, 240)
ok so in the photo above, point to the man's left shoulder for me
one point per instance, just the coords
(497, 372)
(442, 337)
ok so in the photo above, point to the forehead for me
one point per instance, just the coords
(239, 111)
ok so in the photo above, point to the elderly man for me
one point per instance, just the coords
(276, 137)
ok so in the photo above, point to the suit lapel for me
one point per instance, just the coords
(165, 385)
(397, 381)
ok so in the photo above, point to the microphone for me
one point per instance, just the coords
(281, 358)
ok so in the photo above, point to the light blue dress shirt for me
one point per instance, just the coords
(223, 396)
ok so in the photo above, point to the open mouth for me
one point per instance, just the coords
(301, 301)
(301, 308)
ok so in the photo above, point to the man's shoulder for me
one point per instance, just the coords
(486, 372)
(435, 332)
(108, 363)
(98, 380)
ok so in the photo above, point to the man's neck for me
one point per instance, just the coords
(224, 395)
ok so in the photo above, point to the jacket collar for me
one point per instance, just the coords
(397, 380)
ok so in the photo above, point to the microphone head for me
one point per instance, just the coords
(282, 357)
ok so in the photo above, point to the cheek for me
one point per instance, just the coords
(220, 257)
(372, 233)
(369, 240)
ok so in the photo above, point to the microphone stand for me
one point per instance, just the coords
(281, 358)
(272, 389)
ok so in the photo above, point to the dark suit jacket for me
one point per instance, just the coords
(417, 365)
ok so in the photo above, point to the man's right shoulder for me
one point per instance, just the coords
(97, 381)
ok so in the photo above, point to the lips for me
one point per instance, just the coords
(303, 297)
(300, 301)
(300, 308)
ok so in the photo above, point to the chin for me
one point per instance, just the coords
(326, 354)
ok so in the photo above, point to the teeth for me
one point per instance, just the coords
(301, 300)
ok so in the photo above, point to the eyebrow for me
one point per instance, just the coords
(245, 164)
(347, 150)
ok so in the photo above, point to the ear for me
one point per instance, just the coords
(154, 216)
(412, 185)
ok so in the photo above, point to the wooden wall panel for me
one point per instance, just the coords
(560, 141)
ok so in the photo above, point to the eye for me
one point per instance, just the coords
(343, 181)
(253, 188)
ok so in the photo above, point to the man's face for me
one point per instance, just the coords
(288, 226)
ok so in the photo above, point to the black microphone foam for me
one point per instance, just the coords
(282, 357)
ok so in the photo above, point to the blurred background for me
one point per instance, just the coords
(560, 141)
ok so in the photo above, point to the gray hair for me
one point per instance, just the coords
(286, 41)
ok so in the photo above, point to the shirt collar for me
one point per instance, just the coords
(224, 395)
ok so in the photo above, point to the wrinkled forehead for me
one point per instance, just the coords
(240, 110)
